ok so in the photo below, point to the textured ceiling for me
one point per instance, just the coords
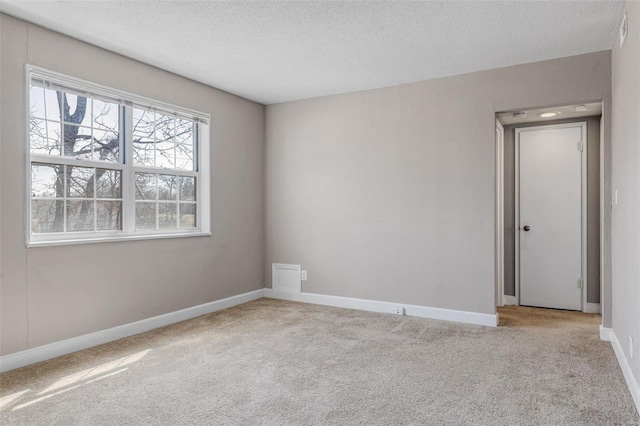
(279, 51)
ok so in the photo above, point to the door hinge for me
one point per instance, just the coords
(580, 283)
(580, 146)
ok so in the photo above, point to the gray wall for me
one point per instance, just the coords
(388, 194)
(53, 293)
(626, 178)
(593, 205)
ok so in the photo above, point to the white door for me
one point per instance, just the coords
(550, 160)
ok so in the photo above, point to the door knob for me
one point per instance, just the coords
(526, 228)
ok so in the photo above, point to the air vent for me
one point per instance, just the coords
(285, 277)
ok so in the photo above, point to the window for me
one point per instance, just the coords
(107, 165)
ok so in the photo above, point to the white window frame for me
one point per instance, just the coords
(202, 166)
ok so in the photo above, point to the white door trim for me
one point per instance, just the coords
(499, 217)
(583, 126)
(603, 236)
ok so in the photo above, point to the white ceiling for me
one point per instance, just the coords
(280, 51)
(562, 112)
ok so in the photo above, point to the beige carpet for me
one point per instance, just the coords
(282, 363)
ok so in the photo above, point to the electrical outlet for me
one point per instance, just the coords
(303, 275)
(630, 346)
(398, 310)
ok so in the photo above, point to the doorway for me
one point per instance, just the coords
(591, 269)
(550, 237)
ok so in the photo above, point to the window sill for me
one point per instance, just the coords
(111, 239)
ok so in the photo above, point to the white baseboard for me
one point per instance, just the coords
(509, 300)
(63, 347)
(626, 370)
(592, 308)
(490, 320)
(605, 333)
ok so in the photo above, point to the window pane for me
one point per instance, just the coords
(45, 137)
(143, 123)
(187, 188)
(143, 151)
(167, 215)
(187, 215)
(172, 138)
(79, 109)
(165, 154)
(106, 116)
(145, 215)
(184, 144)
(164, 127)
(108, 183)
(167, 187)
(77, 141)
(80, 216)
(106, 145)
(47, 216)
(143, 137)
(43, 103)
(184, 131)
(47, 181)
(146, 186)
(109, 215)
(80, 182)
(184, 156)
